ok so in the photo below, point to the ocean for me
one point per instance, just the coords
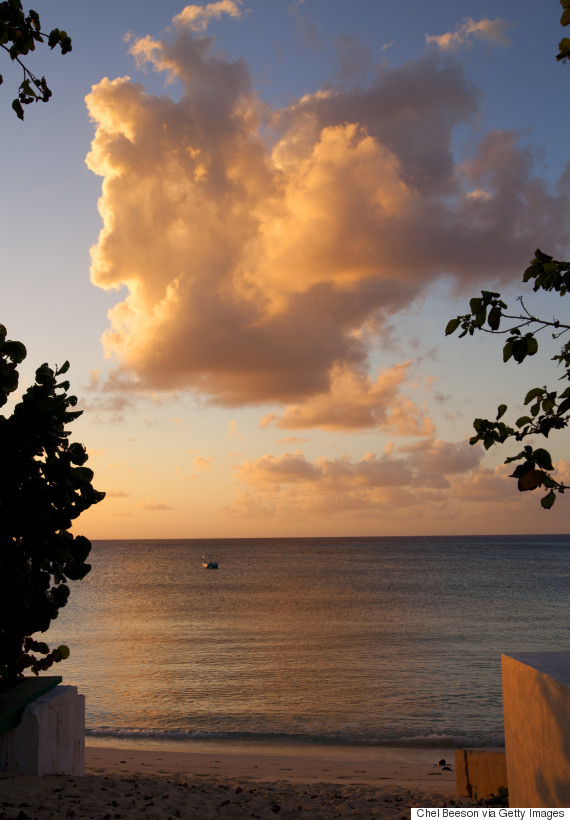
(375, 641)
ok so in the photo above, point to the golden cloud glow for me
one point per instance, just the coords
(197, 18)
(261, 263)
(354, 401)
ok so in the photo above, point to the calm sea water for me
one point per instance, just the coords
(349, 640)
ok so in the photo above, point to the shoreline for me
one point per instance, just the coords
(274, 762)
(237, 780)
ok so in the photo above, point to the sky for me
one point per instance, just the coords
(247, 224)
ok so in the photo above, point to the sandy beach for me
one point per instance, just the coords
(253, 781)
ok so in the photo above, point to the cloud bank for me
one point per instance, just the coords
(371, 487)
(262, 251)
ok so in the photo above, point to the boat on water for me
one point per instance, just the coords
(210, 561)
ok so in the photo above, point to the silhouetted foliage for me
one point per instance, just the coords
(19, 34)
(547, 409)
(44, 486)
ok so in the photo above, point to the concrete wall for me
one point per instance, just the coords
(50, 739)
(536, 709)
(480, 772)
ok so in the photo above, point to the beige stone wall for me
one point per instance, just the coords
(50, 738)
(480, 772)
(536, 708)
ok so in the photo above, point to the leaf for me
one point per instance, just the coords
(35, 19)
(542, 257)
(520, 350)
(501, 410)
(565, 19)
(531, 345)
(548, 500)
(17, 106)
(522, 469)
(535, 409)
(543, 459)
(494, 318)
(531, 480)
(533, 394)
(565, 4)
(15, 351)
(83, 474)
(507, 351)
(452, 326)
(564, 48)
(563, 407)
(63, 652)
(523, 420)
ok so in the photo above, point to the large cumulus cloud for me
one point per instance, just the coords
(263, 250)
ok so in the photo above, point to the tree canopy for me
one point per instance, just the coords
(19, 33)
(44, 487)
(44, 483)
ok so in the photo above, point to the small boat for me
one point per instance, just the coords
(210, 561)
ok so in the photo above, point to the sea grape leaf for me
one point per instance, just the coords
(530, 480)
(533, 394)
(548, 500)
(543, 459)
(452, 326)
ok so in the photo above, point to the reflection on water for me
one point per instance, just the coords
(362, 639)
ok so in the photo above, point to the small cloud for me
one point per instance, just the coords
(95, 453)
(117, 494)
(388, 45)
(201, 463)
(94, 380)
(268, 420)
(233, 432)
(292, 440)
(482, 196)
(196, 18)
(492, 31)
(149, 422)
(152, 506)
(181, 475)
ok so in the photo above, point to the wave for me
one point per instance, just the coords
(421, 741)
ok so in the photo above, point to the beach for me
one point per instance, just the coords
(242, 780)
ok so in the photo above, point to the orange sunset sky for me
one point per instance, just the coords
(251, 223)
